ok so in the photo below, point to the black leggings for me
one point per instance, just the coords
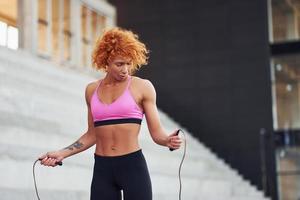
(115, 173)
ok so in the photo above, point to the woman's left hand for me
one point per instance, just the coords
(174, 141)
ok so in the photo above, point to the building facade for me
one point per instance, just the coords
(231, 70)
(62, 31)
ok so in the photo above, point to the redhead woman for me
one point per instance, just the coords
(116, 107)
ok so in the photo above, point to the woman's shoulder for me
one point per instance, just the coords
(92, 85)
(143, 85)
(90, 88)
(141, 82)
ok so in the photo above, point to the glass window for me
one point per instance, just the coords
(12, 39)
(98, 25)
(285, 20)
(67, 30)
(93, 24)
(9, 33)
(60, 29)
(288, 166)
(85, 37)
(55, 29)
(286, 84)
(42, 26)
(84, 21)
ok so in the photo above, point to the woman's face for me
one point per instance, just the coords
(119, 67)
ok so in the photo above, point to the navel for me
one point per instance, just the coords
(113, 148)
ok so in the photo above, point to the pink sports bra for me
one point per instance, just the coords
(123, 110)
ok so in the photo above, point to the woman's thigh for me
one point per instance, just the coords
(103, 187)
(135, 179)
(138, 186)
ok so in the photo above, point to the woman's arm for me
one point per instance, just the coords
(157, 132)
(87, 140)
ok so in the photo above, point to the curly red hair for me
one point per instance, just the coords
(119, 42)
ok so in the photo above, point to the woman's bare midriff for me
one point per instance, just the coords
(117, 139)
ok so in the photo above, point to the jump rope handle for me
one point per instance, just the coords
(57, 163)
(171, 149)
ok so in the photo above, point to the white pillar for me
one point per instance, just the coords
(61, 31)
(75, 17)
(49, 28)
(110, 22)
(98, 25)
(20, 22)
(28, 25)
(89, 37)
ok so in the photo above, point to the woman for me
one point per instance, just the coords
(116, 105)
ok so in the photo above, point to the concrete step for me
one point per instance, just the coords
(45, 194)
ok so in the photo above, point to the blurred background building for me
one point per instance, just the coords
(227, 71)
(230, 70)
(62, 31)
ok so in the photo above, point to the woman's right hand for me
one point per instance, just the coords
(51, 158)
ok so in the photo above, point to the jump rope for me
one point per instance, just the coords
(179, 170)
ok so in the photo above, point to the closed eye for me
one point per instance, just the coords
(119, 64)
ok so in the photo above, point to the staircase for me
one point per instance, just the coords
(43, 109)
